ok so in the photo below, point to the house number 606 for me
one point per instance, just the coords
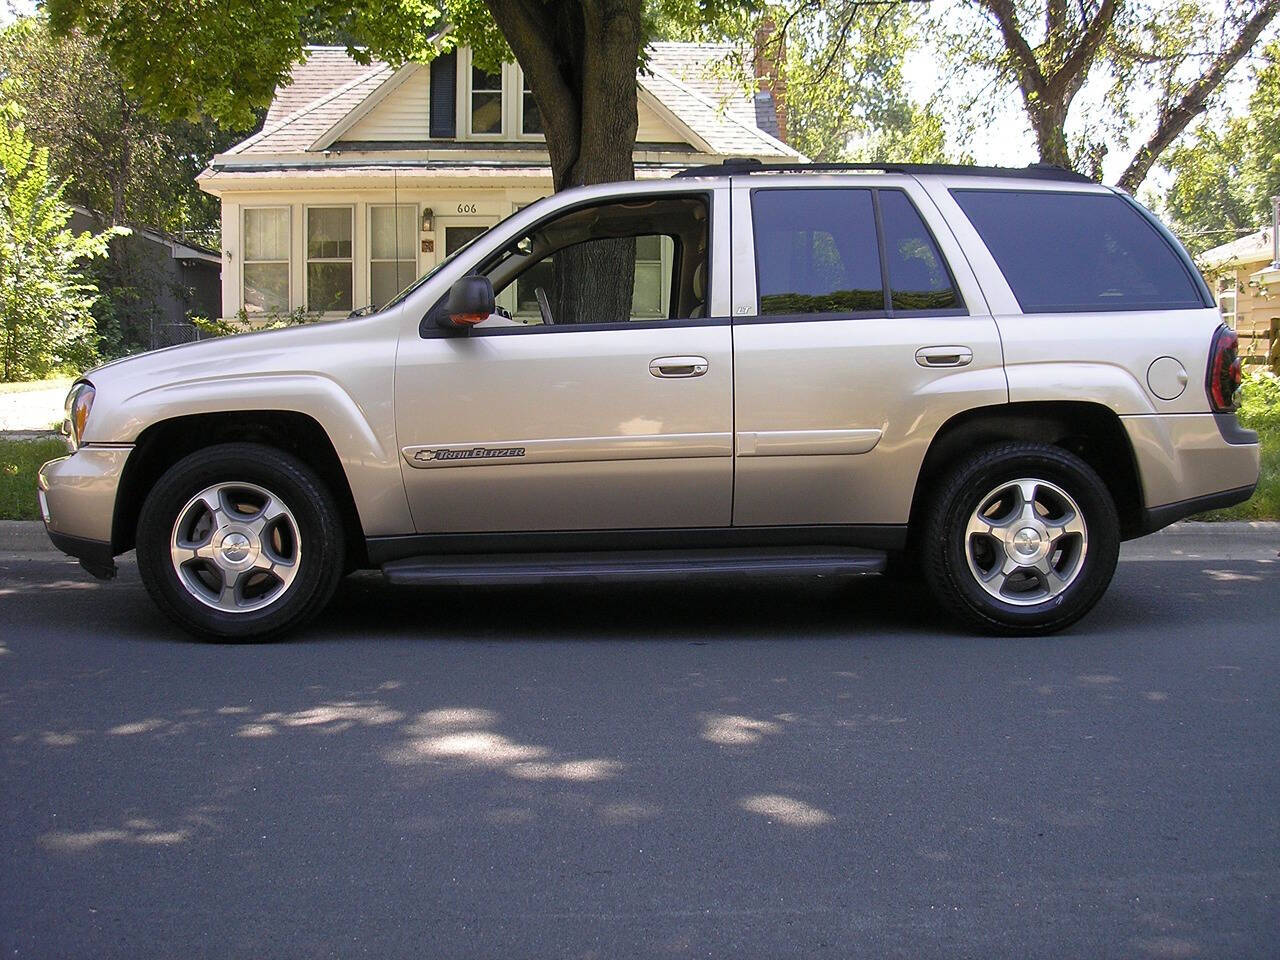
(466, 208)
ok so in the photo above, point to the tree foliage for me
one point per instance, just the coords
(846, 96)
(1178, 52)
(1225, 177)
(117, 158)
(45, 301)
(222, 59)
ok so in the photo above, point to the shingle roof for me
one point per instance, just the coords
(683, 77)
(1251, 248)
(296, 130)
(323, 69)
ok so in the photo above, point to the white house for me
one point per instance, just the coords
(364, 177)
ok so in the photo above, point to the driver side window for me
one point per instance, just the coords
(640, 260)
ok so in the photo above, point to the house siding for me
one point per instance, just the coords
(402, 116)
(382, 135)
(454, 206)
(1256, 314)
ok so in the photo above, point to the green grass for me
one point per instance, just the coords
(19, 461)
(1265, 503)
(26, 386)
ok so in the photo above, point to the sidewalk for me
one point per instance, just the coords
(33, 410)
(1182, 541)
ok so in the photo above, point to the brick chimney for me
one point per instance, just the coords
(771, 80)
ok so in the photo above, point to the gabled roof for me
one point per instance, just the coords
(688, 82)
(1252, 248)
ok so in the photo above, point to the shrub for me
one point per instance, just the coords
(1260, 401)
(45, 300)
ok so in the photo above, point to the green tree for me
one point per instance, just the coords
(1224, 179)
(846, 93)
(45, 300)
(1180, 51)
(118, 159)
(224, 58)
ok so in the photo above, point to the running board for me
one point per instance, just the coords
(646, 565)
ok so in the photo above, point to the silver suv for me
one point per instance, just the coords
(994, 376)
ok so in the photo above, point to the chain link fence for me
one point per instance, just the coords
(172, 334)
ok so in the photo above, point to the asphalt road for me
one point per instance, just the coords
(802, 769)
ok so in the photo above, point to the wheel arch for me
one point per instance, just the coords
(1091, 431)
(164, 443)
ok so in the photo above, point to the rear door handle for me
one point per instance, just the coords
(944, 356)
(678, 367)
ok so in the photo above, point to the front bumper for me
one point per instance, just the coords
(78, 501)
(1189, 463)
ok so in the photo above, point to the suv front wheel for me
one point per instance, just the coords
(240, 542)
(1021, 538)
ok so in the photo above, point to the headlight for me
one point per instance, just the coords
(79, 403)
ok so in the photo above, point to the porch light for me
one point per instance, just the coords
(427, 214)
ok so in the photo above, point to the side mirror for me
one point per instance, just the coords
(470, 301)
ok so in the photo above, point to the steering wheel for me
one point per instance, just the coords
(544, 307)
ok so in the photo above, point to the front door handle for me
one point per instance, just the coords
(678, 367)
(944, 356)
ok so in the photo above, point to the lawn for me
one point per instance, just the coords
(26, 386)
(1265, 503)
(19, 461)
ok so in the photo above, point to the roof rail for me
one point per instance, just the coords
(745, 165)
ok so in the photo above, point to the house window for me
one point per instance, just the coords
(393, 262)
(648, 296)
(530, 117)
(266, 260)
(486, 103)
(1227, 299)
(329, 261)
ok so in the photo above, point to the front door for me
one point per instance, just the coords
(456, 236)
(592, 421)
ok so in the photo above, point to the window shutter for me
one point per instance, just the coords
(444, 96)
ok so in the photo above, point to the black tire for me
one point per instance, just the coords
(945, 546)
(312, 508)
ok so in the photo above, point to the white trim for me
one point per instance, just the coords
(413, 257)
(462, 128)
(719, 110)
(303, 111)
(518, 124)
(307, 260)
(366, 106)
(288, 263)
(672, 119)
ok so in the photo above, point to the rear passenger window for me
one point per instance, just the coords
(816, 251)
(1073, 252)
(918, 277)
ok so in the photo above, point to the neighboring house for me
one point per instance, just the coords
(169, 278)
(364, 177)
(1247, 284)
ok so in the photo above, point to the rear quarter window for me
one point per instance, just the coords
(1079, 252)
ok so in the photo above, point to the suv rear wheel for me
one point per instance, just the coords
(240, 542)
(1021, 538)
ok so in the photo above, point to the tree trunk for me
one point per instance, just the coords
(580, 60)
(1049, 126)
(1176, 117)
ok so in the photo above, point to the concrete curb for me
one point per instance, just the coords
(25, 536)
(31, 435)
(28, 536)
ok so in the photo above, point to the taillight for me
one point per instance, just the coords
(1223, 379)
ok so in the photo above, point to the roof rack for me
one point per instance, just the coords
(746, 165)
